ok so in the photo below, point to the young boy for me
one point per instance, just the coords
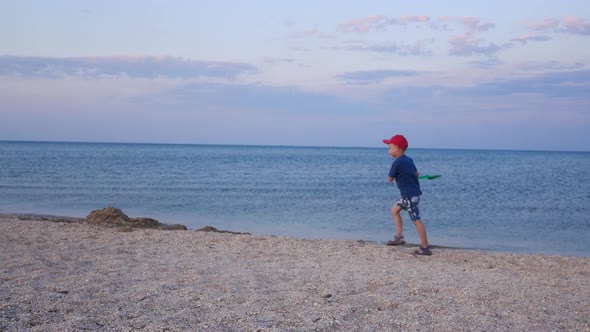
(405, 174)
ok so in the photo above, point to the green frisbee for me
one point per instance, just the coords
(429, 177)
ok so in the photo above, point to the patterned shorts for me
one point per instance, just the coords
(410, 204)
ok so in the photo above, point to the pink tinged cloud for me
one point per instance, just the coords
(569, 24)
(364, 24)
(575, 25)
(473, 24)
(413, 19)
(545, 25)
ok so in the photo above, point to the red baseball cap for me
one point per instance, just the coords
(399, 140)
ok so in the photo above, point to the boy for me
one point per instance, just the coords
(405, 174)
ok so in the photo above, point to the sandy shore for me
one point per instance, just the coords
(75, 276)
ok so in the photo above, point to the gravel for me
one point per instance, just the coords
(58, 276)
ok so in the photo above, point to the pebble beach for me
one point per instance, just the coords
(59, 276)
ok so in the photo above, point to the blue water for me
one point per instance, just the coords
(508, 201)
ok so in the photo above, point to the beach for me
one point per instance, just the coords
(57, 276)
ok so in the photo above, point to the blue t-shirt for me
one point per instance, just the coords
(403, 171)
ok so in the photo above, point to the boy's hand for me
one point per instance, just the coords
(390, 179)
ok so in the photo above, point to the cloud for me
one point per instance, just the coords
(547, 24)
(250, 98)
(302, 49)
(374, 76)
(148, 67)
(467, 45)
(525, 39)
(554, 84)
(569, 24)
(575, 25)
(491, 62)
(198, 112)
(473, 24)
(405, 20)
(363, 24)
(310, 33)
(288, 22)
(366, 24)
(379, 48)
(403, 49)
(271, 60)
(549, 65)
(552, 102)
(442, 23)
(413, 18)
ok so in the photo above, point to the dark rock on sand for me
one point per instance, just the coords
(69, 220)
(112, 216)
(213, 229)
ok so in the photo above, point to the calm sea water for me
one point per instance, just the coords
(509, 201)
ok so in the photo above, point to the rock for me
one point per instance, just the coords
(213, 229)
(208, 229)
(173, 227)
(145, 222)
(112, 216)
(109, 215)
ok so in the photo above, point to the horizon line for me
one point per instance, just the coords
(286, 146)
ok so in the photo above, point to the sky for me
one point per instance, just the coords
(453, 74)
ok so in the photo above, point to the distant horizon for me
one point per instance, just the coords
(286, 146)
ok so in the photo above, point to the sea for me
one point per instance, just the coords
(502, 201)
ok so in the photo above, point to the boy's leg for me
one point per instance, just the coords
(397, 218)
(421, 232)
(414, 212)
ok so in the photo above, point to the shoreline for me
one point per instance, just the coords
(69, 219)
(71, 276)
